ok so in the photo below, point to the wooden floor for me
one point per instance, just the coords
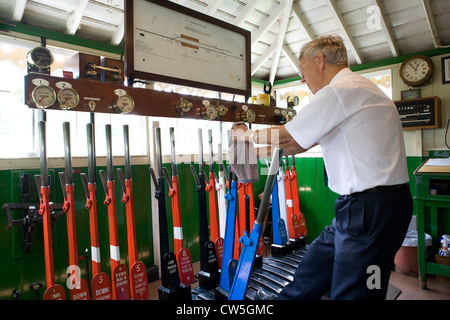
(437, 289)
(409, 286)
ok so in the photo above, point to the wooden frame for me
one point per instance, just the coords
(410, 117)
(445, 62)
(182, 46)
(99, 97)
(425, 79)
(410, 94)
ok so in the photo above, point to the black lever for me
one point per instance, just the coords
(36, 286)
(16, 294)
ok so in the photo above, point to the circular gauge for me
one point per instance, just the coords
(68, 98)
(43, 96)
(209, 112)
(248, 116)
(123, 104)
(40, 57)
(183, 106)
(292, 101)
(221, 109)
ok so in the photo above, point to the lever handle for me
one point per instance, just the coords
(62, 178)
(121, 179)
(103, 179)
(194, 173)
(85, 184)
(36, 286)
(166, 174)
(152, 173)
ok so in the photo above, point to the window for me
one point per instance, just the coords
(186, 130)
(382, 79)
(301, 91)
(18, 123)
(16, 119)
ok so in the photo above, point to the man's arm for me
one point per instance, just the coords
(272, 137)
(276, 137)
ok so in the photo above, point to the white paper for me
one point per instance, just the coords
(440, 162)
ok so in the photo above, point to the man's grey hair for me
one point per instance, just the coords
(332, 47)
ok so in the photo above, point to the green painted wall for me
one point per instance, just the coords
(18, 270)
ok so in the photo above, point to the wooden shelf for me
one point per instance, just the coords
(147, 102)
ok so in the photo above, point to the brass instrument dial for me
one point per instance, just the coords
(208, 111)
(248, 115)
(221, 109)
(123, 103)
(68, 98)
(183, 106)
(40, 57)
(292, 101)
(43, 96)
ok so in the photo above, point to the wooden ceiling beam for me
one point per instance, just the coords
(248, 9)
(346, 35)
(256, 35)
(19, 9)
(74, 20)
(386, 28)
(280, 39)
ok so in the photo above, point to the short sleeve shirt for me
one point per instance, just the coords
(359, 131)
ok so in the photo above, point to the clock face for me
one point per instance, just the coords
(416, 71)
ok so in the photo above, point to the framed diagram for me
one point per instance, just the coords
(170, 43)
(445, 69)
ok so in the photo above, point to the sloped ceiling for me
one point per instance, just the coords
(372, 29)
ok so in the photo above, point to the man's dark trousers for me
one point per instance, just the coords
(360, 245)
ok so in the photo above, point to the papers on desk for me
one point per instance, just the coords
(435, 165)
(440, 162)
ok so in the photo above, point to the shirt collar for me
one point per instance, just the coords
(340, 74)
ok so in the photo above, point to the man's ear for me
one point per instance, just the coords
(322, 61)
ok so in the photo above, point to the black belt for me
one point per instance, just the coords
(380, 189)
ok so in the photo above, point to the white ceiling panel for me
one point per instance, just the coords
(404, 28)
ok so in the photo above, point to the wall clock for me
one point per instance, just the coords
(416, 70)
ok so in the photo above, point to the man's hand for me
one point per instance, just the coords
(240, 132)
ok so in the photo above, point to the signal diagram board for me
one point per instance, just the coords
(171, 43)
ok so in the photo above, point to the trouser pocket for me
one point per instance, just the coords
(350, 216)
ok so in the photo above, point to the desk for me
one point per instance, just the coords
(434, 205)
